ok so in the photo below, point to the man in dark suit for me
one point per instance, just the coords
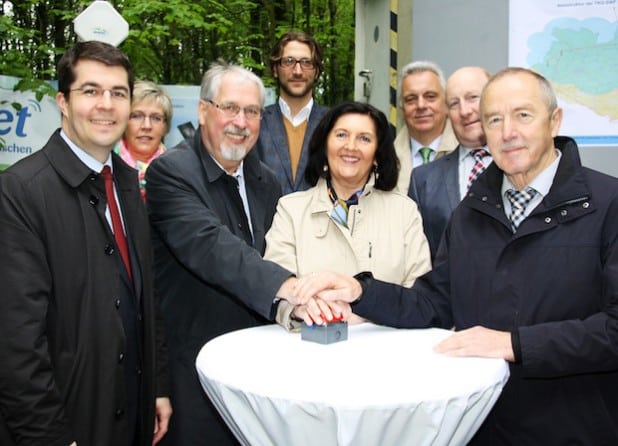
(438, 187)
(81, 340)
(287, 126)
(210, 202)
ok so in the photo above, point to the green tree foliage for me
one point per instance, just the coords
(174, 41)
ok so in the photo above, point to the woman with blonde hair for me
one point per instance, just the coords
(149, 122)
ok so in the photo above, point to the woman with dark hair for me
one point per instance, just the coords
(351, 220)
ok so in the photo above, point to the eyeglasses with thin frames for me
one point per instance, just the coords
(231, 110)
(139, 117)
(290, 62)
(95, 92)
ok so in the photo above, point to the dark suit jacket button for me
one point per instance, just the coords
(109, 250)
(138, 371)
(117, 303)
(93, 200)
(119, 413)
(120, 358)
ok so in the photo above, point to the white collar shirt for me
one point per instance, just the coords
(96, 166)
(415, 146)
(541, 184)
(300, 117)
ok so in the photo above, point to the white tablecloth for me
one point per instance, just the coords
(381, 387)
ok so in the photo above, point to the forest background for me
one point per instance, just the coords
(174, 41)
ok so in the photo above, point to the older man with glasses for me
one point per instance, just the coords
(210, 202)
(287, 125)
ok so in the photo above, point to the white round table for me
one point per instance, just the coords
(381, 387)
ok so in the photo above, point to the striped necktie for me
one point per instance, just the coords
(479, 167)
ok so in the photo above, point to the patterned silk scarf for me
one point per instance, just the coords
(122, 150)
(341, 207)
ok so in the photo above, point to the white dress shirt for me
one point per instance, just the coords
(300, 117)
(541, 184)
(415, 146)
(96, 166)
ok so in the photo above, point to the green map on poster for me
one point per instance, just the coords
(580, 57)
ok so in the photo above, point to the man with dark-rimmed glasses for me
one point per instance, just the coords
(287, 125)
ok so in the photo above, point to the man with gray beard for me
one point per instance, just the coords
(210, 202)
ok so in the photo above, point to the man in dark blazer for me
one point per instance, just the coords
(526, 272)
(81, 339)
(210, 202)
(438, 187)
(287, 126)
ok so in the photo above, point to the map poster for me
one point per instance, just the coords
(574, 44)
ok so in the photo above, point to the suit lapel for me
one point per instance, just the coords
(276, 130)
(256, 193)
(451, 178)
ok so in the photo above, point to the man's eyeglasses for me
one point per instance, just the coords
(138, 118)
(231, 110)
(93, 92)
(290, 62)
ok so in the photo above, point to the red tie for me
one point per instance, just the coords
(121, 240)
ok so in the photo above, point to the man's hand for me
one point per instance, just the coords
(163, 412)
(478, 341)
(320, 312)
(328, 286)
(287, 291)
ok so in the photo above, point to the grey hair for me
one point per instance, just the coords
(420, 66)
(211, 82)
(547, 92)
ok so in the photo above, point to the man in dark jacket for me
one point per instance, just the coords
(81, 341)
(528, 272)
(210, 203)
